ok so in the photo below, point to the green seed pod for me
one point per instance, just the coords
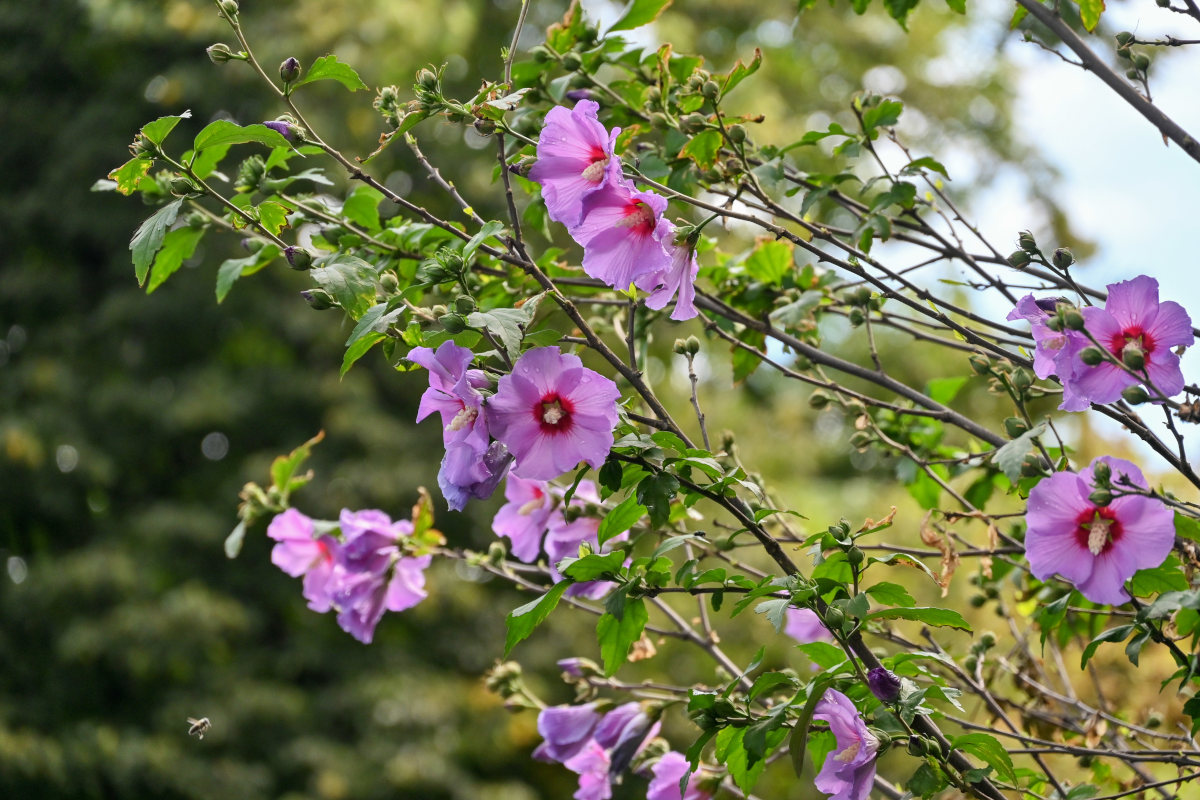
(1100, 497)
(1015, 426)
(1022, 378)
(1062, 258)
(1018, 259)
(737, 134)
(818, 399)
(196, 220)
(883, 737)
(855, 556)
(1091, 356)
(971, 663)
(453, 323)
(572, 62)
(1133, 357)
(1134, 395)
(1154, 720)
(659, 121)
(1073, 320)
(1141, 61)
(1054, 323)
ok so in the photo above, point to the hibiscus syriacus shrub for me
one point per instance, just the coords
(639, 209)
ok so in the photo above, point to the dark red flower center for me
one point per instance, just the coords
(1097, 529)
(1132, 336)
(326, 554)
(553, 413)
(594, 171)
(639, 217)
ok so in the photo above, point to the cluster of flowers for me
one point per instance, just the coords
(600, 747)
(546, 416)
(625, 238)
(1135, 329)
(374, 567)
(535, 520)
(1077, 529)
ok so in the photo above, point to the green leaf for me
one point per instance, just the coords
(272, 216)
(741, 71)
(797, 311)
(957, 6)
(1116, 634)
(507, 324)
(617, 633)
(928, 780)
(1089, 13)
(521, 621)
(987, 749)
(1187, 527)
(283, 468)
(149, 237)
(938, 617)
(915, 166)
(490, 229)
(639, 13)
(620, 519)
(899, 10)
(328, 68)
(350, 281)
(359, 349)
(157, 130)
(369, 332)
(799, 738)
(823, 654)
(887, 113)
(924, 489)
(233, 542)
(130, 174)
(775, 610)
(891, 594)
(1018, 14)
(224, 132)
(362, 207)
(703, 148)
(1192, 709)
(944, 390)
(205, 163)
(1009, 457)
(177, 247)
(655, 492)
(235, 268)
(770, 261)
(592, 567)
(1166, 578)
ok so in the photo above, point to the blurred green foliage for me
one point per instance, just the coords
(128, 423)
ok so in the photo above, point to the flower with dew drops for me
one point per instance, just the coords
(668, 771)
(552, 412)
(298, 552)
(1096, 548)
(624, 235)
(677, 279)
(1133, 321)
(849, 771)
(574, 159)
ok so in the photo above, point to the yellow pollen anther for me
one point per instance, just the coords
(462, 419)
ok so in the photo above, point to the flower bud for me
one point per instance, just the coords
(196, 220)
(1026, 242)
(464, 304)
(454, 323)
(1100, 497)
(317, 299)
(1031, 466)
(298, 258)
(1134, 395)
(693, 123)
(916, 746)
(282, 127)
(504, 679)
(485, 126)
(220, 52)
(389, 282)
(1018, 259)
(1091, 356)
(1124, 38)
(1141, 61)
(834, 617)
(711, 90)
(289, 70)
(183, 187)
(980, 364)
(1022, 378)
(737, 134)
(883, 737)
(1054, 323)
(572, 62)
(1073, 320)
(540, 54)
(860, 440)
(427, 79)
(680, 347)
(884, 685)
(856, 317)
(855, 556)
(692, 345)
(1102, 473)
(818, 399)
(1015, 426)
(252, 245)
(1154, 720)
(1062, 258)
(987, 640)
(1132, 74)
(228, 7)
(1133, 357)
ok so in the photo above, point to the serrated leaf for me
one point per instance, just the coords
(522, 621)
(988, 749)
(158, 130)
(1166, 578)
(328, 68)
(272, 216)
(800, 310)
(234, 268)
(775, 610)
(225, 132)
(177, 247)
(741, 71)
(1009, 457)
(770, 261)
(130, 174)
(350, 281)
(639, 13)
(149, 237)
(938, 617)
(703, 148)
(616, 634)
(362, 207)
(627, 514)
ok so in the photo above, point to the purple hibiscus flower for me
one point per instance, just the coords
(574, 159)
(624, 235)
(564, 535)
(593, 767)
(552, 412)
(524, 517)
(378, 577)
(1096, 548)
(884, 684)
(668, 772)
(1055, 352)
(299, 552)
(678, 278)
(803, 625)
(849, 771)
(1133, 318)
(595, 747)
(565, 730)
(483, 474)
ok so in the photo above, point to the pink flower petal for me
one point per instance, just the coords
(1106, 584)
(1132, 302)
(1172, 327)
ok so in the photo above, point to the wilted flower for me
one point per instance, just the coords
(678, 278)
(552, 413)
(483, 474)
(1097, 548)
(574, 159)
(849, 771)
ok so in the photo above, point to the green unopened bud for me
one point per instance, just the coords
(818, 399)
(855, 556)
(540, 54)
(427, 79)
(916, 746)
(987, 640)
(453, 323)
(220, 53)
(1133, 357)
(289, 70)
(389, 282)
(861, 296)
(1141, 61)
(860, 440)
(1154, 720)
(464, 304)
(1022, 379)
(298, 258)
(1091, 356)
(737, 134)
(692, 345)
(1054, 323)
(1134, 395)
(971, 663)
(228, 7)
(883, 737)
(1031, 466)
(977, 601)
(1018, 259)
(1015, 426)
(856, 316)
(1100, 497)
(680, 347)
(1132, 74)
(572, 62)
(1073, 320)
(1062, 258)
(710, 89)
(318, 299)
(652, 96)
(183, 187)
(659, 120)
(693, 123)
(504, 679)
(1026, 242)
(1102, 473)
(980, 365)
(1124, 38)
(834, 617)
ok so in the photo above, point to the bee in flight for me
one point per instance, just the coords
(199, 727)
